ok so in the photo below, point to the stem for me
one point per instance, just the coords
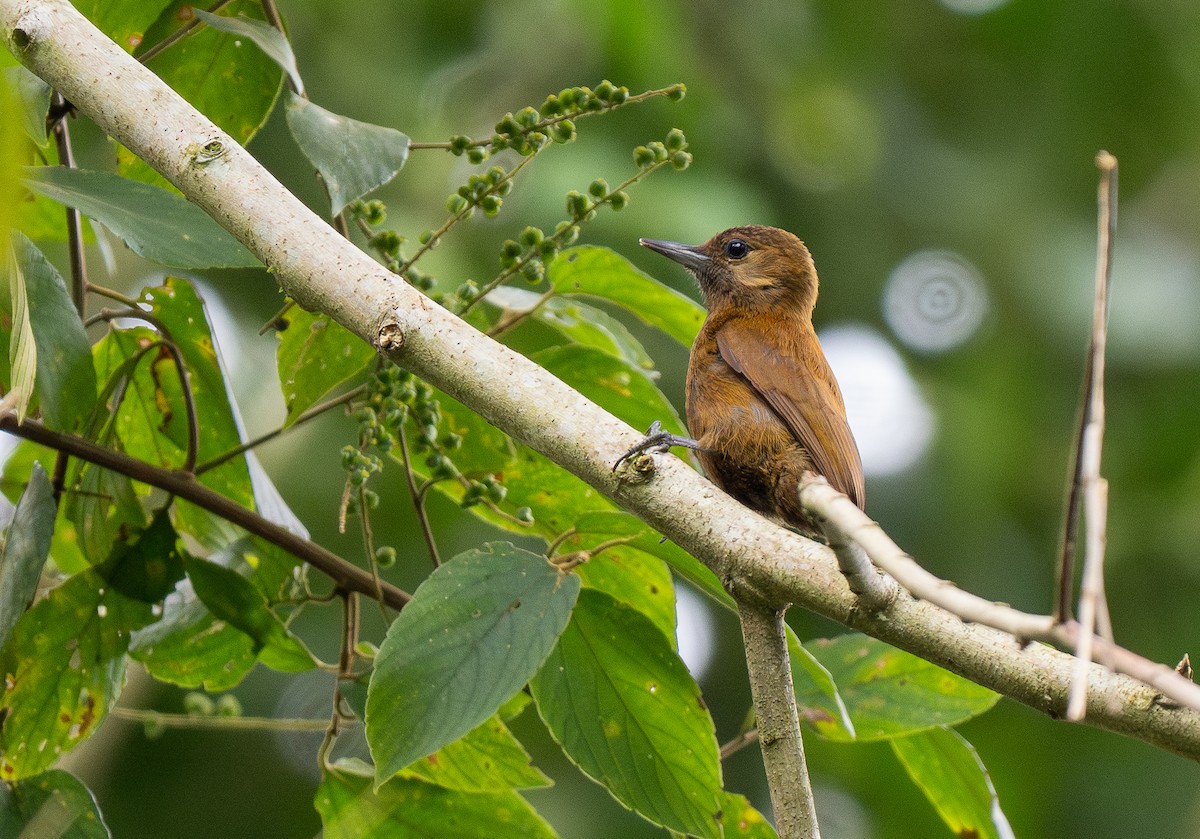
(345, 574)
(418, 498)
(222, 723)
(778, 721)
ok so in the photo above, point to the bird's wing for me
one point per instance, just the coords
(805, 399)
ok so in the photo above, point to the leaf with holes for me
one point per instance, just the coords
(475, 632)
(64, 667)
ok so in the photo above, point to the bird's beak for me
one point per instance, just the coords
(689, 256)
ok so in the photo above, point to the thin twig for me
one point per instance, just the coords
(344, 574)
(418, 498)
(738, 743)
(345, 671)
(166, 720)
(974, 609)
(179, 34)
(1094, 487)
(311, 413)
(874, 589)
(185, 381)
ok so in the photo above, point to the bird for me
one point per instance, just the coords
(762, 402)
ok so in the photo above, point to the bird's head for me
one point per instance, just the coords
(751, 267)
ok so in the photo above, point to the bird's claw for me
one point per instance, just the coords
(656, 441)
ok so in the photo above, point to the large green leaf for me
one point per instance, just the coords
(408, 808)
(612, 384)
(53, 805)
(487, 759)
(354, 158)
(26, 547)
(159, 225)
(475, 632)
(820, 704)
(190, 647)
(579, 322)
(33, 97)
(890, 693)
(622, 705)
(152, 420)
(948, 770)
(599, 272)
(66, 380)
(124, 21)
(234, 599)
(229, 82)
(316, 355)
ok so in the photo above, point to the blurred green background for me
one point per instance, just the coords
(937, 157)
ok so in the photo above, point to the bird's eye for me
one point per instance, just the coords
(736, 248)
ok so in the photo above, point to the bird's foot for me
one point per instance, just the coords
(656, 441)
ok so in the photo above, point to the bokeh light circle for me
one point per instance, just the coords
(935, 300)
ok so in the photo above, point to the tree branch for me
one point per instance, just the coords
(778, 721)
(344, 574)
(324, 272)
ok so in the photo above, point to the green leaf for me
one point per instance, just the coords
(151, 422)
(741, 821)
(353, 157)
(948, 770)
(64, 667)
(25, 550)
(154, 223)
(22, 344)
(147, 568)
(269, 39)
(188, 646)
(600, 272)
(66, 380)
(124, 21)
(575, 320)
(820, 704)
(53, 805)
(405, 808)
(15, 474)
(316, 355)
(612, 384)
(891, 693)
(231, 84)
(476, 630)
(620, 702)
(234, 599)
(487, 759)
(34, 96)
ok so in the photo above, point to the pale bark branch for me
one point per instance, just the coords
(323, 271)
(778, 721)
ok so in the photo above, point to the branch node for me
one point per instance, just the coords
(390, 337)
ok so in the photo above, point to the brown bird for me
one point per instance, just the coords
(762, 401)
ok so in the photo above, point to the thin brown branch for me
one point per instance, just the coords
(344, 574)
(179, 34)
(312, 413)
(418, 498)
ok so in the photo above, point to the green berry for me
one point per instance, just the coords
(675, 140)
(524, 514)
(681, 160)
(676, 92)
(477, 154)
(229, 706)
(456, 204)
(385, 556)
(643, 157)
(598, 188)
(618, 200)
(198, 705)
